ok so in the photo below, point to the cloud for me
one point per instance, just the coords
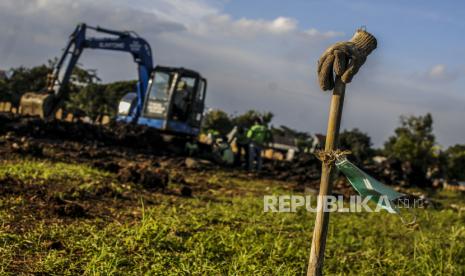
(222, 25)
(328, 34)
(276, 26)
(436, 75)
(442, 73)
(34, 31)
(437, 71)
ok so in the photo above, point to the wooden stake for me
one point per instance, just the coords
(315, 264)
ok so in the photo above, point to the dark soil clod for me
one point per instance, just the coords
(145, 175)
(186, 191)
(71, 209)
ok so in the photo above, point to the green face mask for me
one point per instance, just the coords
(366, 185)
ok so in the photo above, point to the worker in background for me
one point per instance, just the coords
(212, 135)
(242, 144)
(180, 101)
(222, 151)
(258, 135)
(191, 147)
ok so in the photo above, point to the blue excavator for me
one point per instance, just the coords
(169, 99)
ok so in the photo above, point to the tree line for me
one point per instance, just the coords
(86, 93)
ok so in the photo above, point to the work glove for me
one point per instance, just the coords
(345, 59)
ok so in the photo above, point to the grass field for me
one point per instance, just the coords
(222, 229)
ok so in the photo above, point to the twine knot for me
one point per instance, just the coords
(329, 157)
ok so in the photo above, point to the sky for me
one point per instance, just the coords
(262, 54)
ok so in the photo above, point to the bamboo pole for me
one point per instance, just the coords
(315, 264)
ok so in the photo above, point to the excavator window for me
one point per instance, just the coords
(158, 100)
(201, 91)
(182, 98)
(160, 87)
(199, 103)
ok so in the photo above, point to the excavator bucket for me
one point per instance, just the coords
(36, 104)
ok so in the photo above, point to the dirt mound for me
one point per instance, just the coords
(304, 169)
(186, 191)
(110, 148)
(70, 209)
(109, 166)
(144, 174)
(66, 199)
(115, 134)
(42, 199)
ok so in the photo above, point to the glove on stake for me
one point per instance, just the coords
(344, 59)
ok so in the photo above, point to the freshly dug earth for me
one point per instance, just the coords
(112, 147)
(64, 199)
(305, 169)
(148, 176)
(134, 152)
(36, 196)
(116, 134)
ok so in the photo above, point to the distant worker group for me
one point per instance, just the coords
(249, 143)
(252, 141)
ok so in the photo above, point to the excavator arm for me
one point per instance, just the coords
(45, 103)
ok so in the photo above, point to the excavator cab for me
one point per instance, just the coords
(174, 102)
